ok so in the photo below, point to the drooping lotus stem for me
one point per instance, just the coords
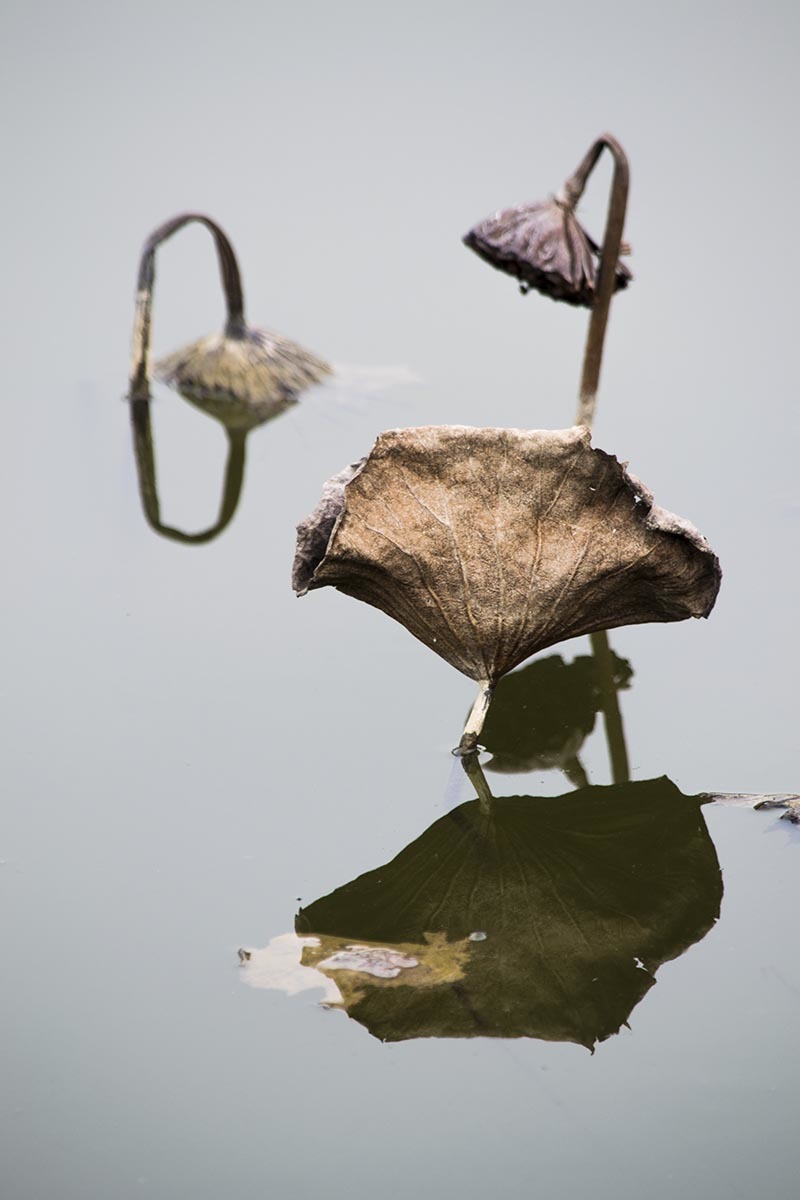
(231, 284)
(612, 244)
(590, 379)
(148, 489)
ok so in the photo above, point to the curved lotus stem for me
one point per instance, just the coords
(612, 244)
(148, 489)
(231, 283)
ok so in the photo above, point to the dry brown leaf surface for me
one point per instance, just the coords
(492, 544)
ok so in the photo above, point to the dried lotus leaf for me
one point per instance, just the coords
(492, 544)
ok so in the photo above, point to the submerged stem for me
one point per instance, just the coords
(474, 770)
(612, 242)
(474, 725)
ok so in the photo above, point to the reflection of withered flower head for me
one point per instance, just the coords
(491, 544)
(545, 247)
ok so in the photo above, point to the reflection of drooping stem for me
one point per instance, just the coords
(231, 284)
(612, 714)
(148, 489)
(612, 244)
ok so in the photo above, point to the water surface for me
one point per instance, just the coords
(193, 755)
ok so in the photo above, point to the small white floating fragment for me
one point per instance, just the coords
(370, 960)
(278, 967)
(477, 936)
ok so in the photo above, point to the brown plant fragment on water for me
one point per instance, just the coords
(492, 544)
(545, 247)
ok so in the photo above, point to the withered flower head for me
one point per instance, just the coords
(545, 247)
(244, 377)
(492, 544)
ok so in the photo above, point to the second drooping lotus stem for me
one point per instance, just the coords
(587, 399)
(609, 254)
(231, 285)
(248, 368)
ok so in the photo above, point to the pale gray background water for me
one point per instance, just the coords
(189, 749)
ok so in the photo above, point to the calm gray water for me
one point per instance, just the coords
(192, 755)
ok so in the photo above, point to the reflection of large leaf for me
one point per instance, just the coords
(580, 898)
(541, 713)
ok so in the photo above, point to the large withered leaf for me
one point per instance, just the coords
(544, 917)
(491, 544)
(545, 247)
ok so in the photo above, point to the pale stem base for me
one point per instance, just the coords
(474, 725)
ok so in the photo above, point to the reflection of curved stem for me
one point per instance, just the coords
(615, 734)
(231, 283)
(612, 242)
(148, 489)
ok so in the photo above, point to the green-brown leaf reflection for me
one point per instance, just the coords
(542, 713)
(542, 917)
